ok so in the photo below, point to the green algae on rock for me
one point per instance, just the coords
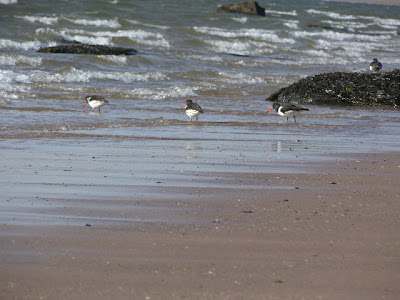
(344, 89)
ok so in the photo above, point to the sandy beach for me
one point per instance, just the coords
(328, 231)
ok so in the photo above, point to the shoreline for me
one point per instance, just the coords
(326, 233)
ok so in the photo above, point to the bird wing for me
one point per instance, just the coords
(289, 107)
(197, 107)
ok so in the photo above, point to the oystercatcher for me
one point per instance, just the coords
(95, 102)
(192, 109)
(375, 66)
(287, 110)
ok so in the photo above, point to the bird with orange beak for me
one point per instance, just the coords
(95, 102)
(287, 110)
(192, 109)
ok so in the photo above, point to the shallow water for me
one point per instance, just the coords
(227, 63)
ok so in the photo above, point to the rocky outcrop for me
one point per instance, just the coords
(79, 48)
(248, 8)
(346, 89)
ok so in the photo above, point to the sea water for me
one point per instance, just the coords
(228, 63)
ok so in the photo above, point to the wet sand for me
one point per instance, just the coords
(73, 227)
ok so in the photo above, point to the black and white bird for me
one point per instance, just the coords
(287, 110)
(192, 109)
(95, 102)
(375, 65)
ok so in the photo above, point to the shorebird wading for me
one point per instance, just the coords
(287, 110)
(375, 65)
(95, 102)
(192, 109)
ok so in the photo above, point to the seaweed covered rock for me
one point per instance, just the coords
(248, 8)
(345, 89)
(79, 48)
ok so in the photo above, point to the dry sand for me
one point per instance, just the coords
(330, 233)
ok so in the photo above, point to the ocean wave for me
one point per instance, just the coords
(116, 59)
(339, 36)
(9, 90)
(29, 45)
(12, 60)
(9, 76)
(384, 23)
(40, 19)
(204, 57)
(8, 2)
(292, 24)
(258, 34)
(346, 24)
(76, 75)
(163, 27)
(329, 14)
(161, 94)
(239, 78)
(241, 47)
(111, 23)
(285, 13)
(99, 40)
(106, 37)
(240, 20)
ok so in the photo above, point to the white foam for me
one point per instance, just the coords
(100, 40)
(332, 15)
(40, 19)
(293, 24)
(12, 60)
(76, 75)
(105, 37)
(316, 53)
(239, 78)
(8, 1)
(9, 44)
(241, 47)
(139, 36)
(346, 24)
(12, 84)
(240, 20)
(160, 94)
(78, 35)
(149, 25)
(285, 13)
(117, 59)
(339, 36)
(129, 77)
(204, 58)
(111, 23)
(72, 75)
(384, 23)
(9, 76)
(258, 34)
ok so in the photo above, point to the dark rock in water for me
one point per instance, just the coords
(346, 89)
(79, 48)
(248, 8)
